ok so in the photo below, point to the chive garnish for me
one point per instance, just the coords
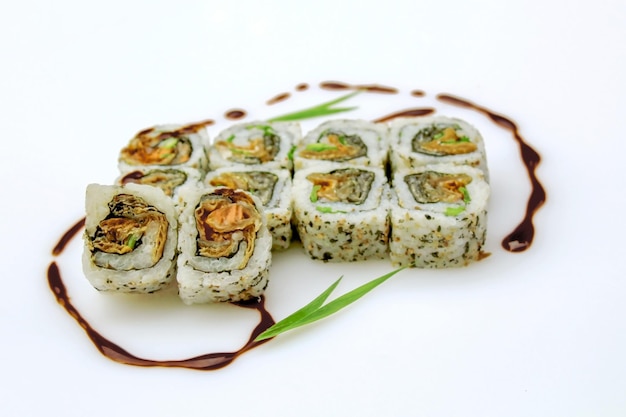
(438, 135)
(320, 147)
(323, 209)
(314, 190)
(291, 152)
(315, 310)
(466, 196)
(323, 109)
(453, 211)
(132, 241)
(168, 143)
(230, 139)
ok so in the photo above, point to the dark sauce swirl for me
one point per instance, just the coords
(518, 240)
(521, 238)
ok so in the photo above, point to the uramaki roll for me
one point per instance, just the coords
(271, 186)
(341, 213)
(255, 143)
(344, 141)
(419, 141)
(167, 146)
(438, 216)
(130, 238)
(170, 180)
(224, 246)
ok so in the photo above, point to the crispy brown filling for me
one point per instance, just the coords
(224, 220)
(435, 187)
(338, 148)
(167, 180)
(129, 220)
(348, 185)
(258, 183)
(446, 141)
(151, 147)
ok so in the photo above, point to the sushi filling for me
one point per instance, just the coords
(167, 180)
(435, 187)
(132, 236)
(154, 147)
(258, 183)
(335, 146)
(227, 222)
(348, 185)
(256, 150)
(442, 140)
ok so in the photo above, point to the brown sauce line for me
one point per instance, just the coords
(113, 351)
(372, 88)
(416, 112)
(522, 236)
(278, 98)
(235, 114)
(67, 237)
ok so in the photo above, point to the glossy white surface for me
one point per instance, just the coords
(541, 333)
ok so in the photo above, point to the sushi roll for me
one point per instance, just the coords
(341, 213)
(166, 146)
(170, 180)
(343, 141)
(224, 246)
(271, 186)
(438, 216)
(130, 238)
(420, 141)
(255, 143)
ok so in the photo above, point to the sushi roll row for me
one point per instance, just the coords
(207, 214)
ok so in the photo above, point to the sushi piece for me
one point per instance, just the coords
(343, 141)
(341, 213)
(255, 143)
(130, 238)
(170, 180)
(420, 141)
(166, 146)
(439, 216)
(271, 186)
(224, 246)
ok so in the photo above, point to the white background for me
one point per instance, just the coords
(540, 333)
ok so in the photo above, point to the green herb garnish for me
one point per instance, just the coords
(314, 190)
(438, 135)
(323, 209)
(291, 152)
(323, 109)
(230, 139)
(320, 147)
(132, 241)
(453, 211)
(168, 143)
(315, 310)
(466, 196)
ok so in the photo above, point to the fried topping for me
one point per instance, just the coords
(155, 147)
(224, 220)
(258, 183)
(166, 179)
(442, 140)
(435, 187)
(335, 147)
(348, 185)
(129, 221)
(258, 149)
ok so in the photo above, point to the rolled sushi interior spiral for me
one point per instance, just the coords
(166, 146)
(170, 180)
(344, 141)
(224, 246)
(438, 216)
(341, 213)
(419, 141)
(130, 238)
(255, 143)
(271, 186)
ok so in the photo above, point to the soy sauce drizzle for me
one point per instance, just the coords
(521, 238)
(278, 98)
(113, 351)
(372, 88)
(302, 87)
(406, 113)
(235, 114)
(418, 93)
